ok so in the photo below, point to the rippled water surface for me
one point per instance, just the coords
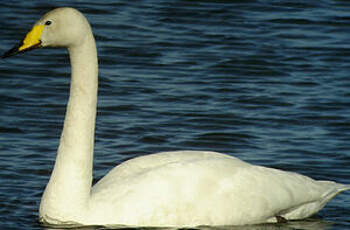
(266, 81)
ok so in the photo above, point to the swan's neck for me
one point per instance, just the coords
(68, 190)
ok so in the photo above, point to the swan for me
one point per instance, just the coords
(179, 188)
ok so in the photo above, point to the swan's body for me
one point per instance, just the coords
(184, 188)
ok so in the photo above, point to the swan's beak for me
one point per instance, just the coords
(31, 41)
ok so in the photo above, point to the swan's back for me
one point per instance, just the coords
(207, 188)
(150, 162)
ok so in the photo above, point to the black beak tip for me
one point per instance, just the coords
(10, 52)
(15, 50)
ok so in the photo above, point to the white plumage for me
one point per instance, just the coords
(181, 189)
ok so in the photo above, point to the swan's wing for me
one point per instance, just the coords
(290, 195)
(143, 164)
(216, 190)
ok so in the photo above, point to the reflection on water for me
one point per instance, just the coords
(308, 224)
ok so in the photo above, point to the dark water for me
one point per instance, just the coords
(266, 81)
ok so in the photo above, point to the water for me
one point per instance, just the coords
(266, 81)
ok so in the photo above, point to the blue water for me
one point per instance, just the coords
(266, 81)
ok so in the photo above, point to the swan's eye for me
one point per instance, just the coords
(48, 23)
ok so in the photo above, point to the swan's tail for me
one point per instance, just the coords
(334, 189)
(305, 210)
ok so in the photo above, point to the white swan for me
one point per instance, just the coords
(184, 188)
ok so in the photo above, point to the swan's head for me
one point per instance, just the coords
(62, 27)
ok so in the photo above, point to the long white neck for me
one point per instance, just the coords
(68, 190)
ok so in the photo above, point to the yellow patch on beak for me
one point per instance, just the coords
(32, 38)
(31, 41)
